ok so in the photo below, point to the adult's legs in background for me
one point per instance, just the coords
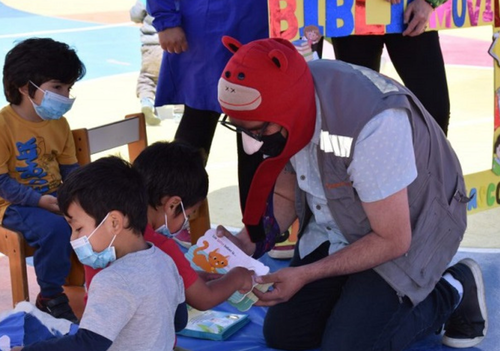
(419, 62)
(362, 50)
(197, 128)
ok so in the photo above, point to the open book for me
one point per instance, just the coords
(212, 324)
(218, 255)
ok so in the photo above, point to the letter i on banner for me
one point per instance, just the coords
(378, 12)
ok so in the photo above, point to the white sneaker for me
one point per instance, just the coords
(149, 111)
(151, 118)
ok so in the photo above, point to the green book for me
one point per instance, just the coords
(212, 324)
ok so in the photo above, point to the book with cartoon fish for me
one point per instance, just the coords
(219, 255)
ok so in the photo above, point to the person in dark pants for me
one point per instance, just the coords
(190, 33)
(416, 56)
(379, 194)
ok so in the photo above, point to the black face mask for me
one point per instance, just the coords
(273, 144)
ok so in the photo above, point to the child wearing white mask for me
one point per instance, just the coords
(37, 152)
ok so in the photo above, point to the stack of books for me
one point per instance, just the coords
(304, 49)
(212, 324)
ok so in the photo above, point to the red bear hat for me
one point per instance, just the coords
(268, 80)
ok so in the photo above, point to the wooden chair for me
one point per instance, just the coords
(132, 132)
(109, 136)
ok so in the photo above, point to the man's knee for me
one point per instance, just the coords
(288, 333)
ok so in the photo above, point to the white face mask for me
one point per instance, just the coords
(250, 145)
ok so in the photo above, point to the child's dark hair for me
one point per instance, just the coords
(39, 60)
(497, 144)
(173, 169)
(105, 185)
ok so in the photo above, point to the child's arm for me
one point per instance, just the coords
(181, 317)
(19, 194)
(67, 169)
(16, 193)
(205, 295)
(83, 340)
(199, 293)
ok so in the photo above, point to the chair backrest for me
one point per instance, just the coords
(130, 131)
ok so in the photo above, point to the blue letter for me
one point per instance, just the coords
(459, 20)
(342, 13)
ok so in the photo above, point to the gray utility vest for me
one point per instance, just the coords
(349, 97)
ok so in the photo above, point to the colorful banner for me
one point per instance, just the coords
(484, 187)
(337, 18)
(308, 20)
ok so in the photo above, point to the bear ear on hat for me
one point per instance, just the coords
(285, 42)
(279, 59)
(230, 43)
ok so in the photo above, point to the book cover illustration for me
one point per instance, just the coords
(310, 44)
(212, 324)
(219, 255)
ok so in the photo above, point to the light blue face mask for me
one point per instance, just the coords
(53, 106)
(164, 228)
(86, 254)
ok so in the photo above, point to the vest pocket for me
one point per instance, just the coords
(344, 195)
(436, 238)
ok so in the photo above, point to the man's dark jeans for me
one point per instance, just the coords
(356, 312)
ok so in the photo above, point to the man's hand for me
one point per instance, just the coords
(242, 239)
(49, 203)
(286, 283)
(416, 17)
(173, 40)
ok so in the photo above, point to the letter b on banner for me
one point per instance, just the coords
(285, 15)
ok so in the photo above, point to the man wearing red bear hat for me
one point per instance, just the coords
(380, 198)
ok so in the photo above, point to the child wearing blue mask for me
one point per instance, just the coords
(105, 203)
(37, 153)
(177, 183)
